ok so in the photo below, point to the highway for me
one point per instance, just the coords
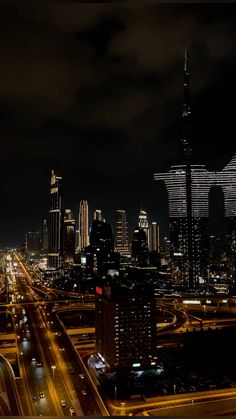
(37, 355)
(48, 343)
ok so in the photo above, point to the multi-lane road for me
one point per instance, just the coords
(53, 376)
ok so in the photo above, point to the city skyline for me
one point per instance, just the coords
(105, 90)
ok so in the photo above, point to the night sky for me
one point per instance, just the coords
(96, 91)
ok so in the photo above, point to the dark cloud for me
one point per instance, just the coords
(95, 91)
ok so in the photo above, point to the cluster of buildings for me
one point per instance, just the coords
(125, 301)
(66, 240)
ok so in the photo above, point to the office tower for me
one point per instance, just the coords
(126, 326)
(44, 235)
(188, 187)
(82, 231)
(68, 237)
(139, 247)
(101, 236)
(165, 251)
(99, 257)
(55, 218)
(121, 233)
(143, 223)
(97, 215)
(33, 242)
(154, 237)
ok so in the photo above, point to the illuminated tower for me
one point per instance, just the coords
(44, 236)
(82, 232)
(54, 250)
(154, 237)
(188, 187)
(97, 215)
(68, 237)
(121, 232)
(143, 223)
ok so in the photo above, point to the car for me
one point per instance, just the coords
(63, 403)
(39, 364)
(84, 392)
(42, 395)
(81, 376)
(72, 411)
(24, 339)
(33, 359)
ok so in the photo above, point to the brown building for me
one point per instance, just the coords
(125, 326)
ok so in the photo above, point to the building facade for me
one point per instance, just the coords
(44, 236)
(55, 222)
(33, 242)
(126, 327)
(68, 237)
(82, 239)
(154, 237)
(121, 233)
(143, 223)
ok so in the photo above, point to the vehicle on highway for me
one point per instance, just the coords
(33, 359)
(42, 395)
(72, 412)
(39, 364)
(81, 376)
(63, 403)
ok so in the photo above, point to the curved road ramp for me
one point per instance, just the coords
(9, 403)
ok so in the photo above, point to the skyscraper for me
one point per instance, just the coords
(68, 237)
(33, 242)
(121, 232)
(97, 215)
(55, 215)
(126, 326)
(82, 230)
(154, 237)
(188, 187)
(139, 247)
(143, 223)
(44, 235)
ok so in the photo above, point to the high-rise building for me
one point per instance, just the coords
(139, 247)
(121, 233)
(99, 256)
(82, 231)
(126, 326)
(55, 218)
(33, 242)
(154, 237)
(44, 235)
(97, 215)
(101, 236)
(175, 181)
(188, 187)
(143, 223)
(68, 237)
